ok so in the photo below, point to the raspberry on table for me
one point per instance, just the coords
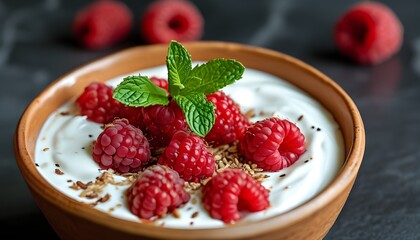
(121, 147)
(188, 155)
(97, 104)
(161, 122)
(157, 191)
(167, 20)
(273, 144)
(368, 33)
(102, 24)
(232, 191)
(230, 123)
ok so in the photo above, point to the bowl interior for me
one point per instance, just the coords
(320, 87)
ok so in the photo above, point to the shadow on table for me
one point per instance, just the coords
(22, 226)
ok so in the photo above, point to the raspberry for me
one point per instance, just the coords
(102, 24)
(97, 104)
(273, 144)
(157, 191)
(188, 155)
(122, 147)
(369, 33)
(230, 123)
(232, 191)
(160, 82)
(168, 20)
(161, 122)
(134, 114)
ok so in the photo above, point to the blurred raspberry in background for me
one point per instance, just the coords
(369, 33)
(102, 24)
(167, 20)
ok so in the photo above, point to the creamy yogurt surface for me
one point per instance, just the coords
(64, 147)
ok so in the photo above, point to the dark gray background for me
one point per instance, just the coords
(36, 47)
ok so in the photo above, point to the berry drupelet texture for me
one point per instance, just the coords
(188, 155)
(157, 191)
(97, 104)
(232, 191)
(121, 147)
(161, 122)
(273, 144)
(230, 123)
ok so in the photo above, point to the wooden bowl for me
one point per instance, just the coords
(74, 220)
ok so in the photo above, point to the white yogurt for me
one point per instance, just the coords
(65, 143)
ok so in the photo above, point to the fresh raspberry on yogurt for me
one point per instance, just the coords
(121, 147)
(273, 144)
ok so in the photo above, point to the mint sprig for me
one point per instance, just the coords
(140, 91)
(199, 112)
(178, 62)
(187, 86)
(214, 75)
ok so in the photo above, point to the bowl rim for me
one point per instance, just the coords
(344, 178)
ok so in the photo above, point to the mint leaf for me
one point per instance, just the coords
(178, 62)
(188, 86)
(199, 112)
(139, 91)
(211, 76)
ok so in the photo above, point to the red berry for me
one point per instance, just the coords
(134, 114)
(273, 144)
(167, 20)
(369, 33)
(157, 191)
(232, 191)
(230, 123)
(102, 24)
(188, 155)
(97, 104)
(121, 147)
(160, 82)
(161, 122)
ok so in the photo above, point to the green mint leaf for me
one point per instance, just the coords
(178, 62)
(211, 76)
(139, 91)
(199, 112)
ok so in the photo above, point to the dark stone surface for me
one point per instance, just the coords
(36, 47)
